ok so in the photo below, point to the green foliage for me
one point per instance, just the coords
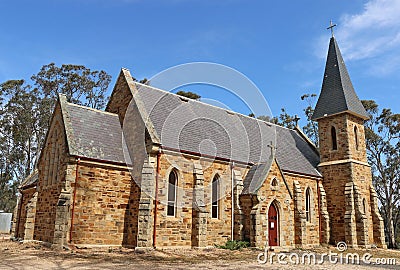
(25, 113)
(234, 245)
(19, 130)
(267, 118)
(311, 128)
(190, 95)
(8, 190)
(144, 81)
(286, 120)
(80, 84)
(382, 133)
(290, 121)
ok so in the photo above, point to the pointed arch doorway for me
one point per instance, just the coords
(273, 228)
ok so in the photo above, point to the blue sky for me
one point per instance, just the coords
(280, 45)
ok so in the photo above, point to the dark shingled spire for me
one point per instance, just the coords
(337, 92)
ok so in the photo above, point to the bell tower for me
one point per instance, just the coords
(351, 197)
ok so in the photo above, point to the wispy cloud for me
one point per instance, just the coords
(373, 34)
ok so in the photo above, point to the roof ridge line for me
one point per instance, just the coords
(189, 99)
(308, 140)
(219, 108)
(91, 109)
(342, 70)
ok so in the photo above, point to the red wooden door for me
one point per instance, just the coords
(272, 226)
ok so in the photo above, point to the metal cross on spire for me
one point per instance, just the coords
(331, 25)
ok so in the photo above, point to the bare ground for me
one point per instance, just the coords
(15, 255)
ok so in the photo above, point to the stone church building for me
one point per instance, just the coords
(159, 170)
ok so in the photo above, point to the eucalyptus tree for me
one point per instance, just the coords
(382, 132)
(25, 113)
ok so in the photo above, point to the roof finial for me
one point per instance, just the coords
(331, 25)
(273, 148)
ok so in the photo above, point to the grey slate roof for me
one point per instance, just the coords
(337, 92)
(295, 154)
(255, 177)
(94, 134)
(197, 127)
(30, 181)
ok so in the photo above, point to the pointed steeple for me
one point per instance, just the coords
(337, 92)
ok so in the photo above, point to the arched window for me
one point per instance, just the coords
(215, 197)
(274, 182)
(356, 136)
(364, 206)
(172, 183)
(334, 139)
(308, 205)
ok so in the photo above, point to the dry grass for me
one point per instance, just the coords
(123, 255)
(375, 252)
(14, 255)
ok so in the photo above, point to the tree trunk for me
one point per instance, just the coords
(391, 228)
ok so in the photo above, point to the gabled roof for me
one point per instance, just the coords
(192, 126)
(295, 154)
(92, 133)
(337, 92)
(256, 176)
(196, 127)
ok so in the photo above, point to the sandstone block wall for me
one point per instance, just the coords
(284, 203)
(284, 199)
(177, 230)
(346, 138)
(311, 230)
(30, 215)
(51, 181)
(347, 180)
(335, 179)
(105, 207)
(25, 211)
(45, 212)
(121, 96)
(219, 229)
(362, 182)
